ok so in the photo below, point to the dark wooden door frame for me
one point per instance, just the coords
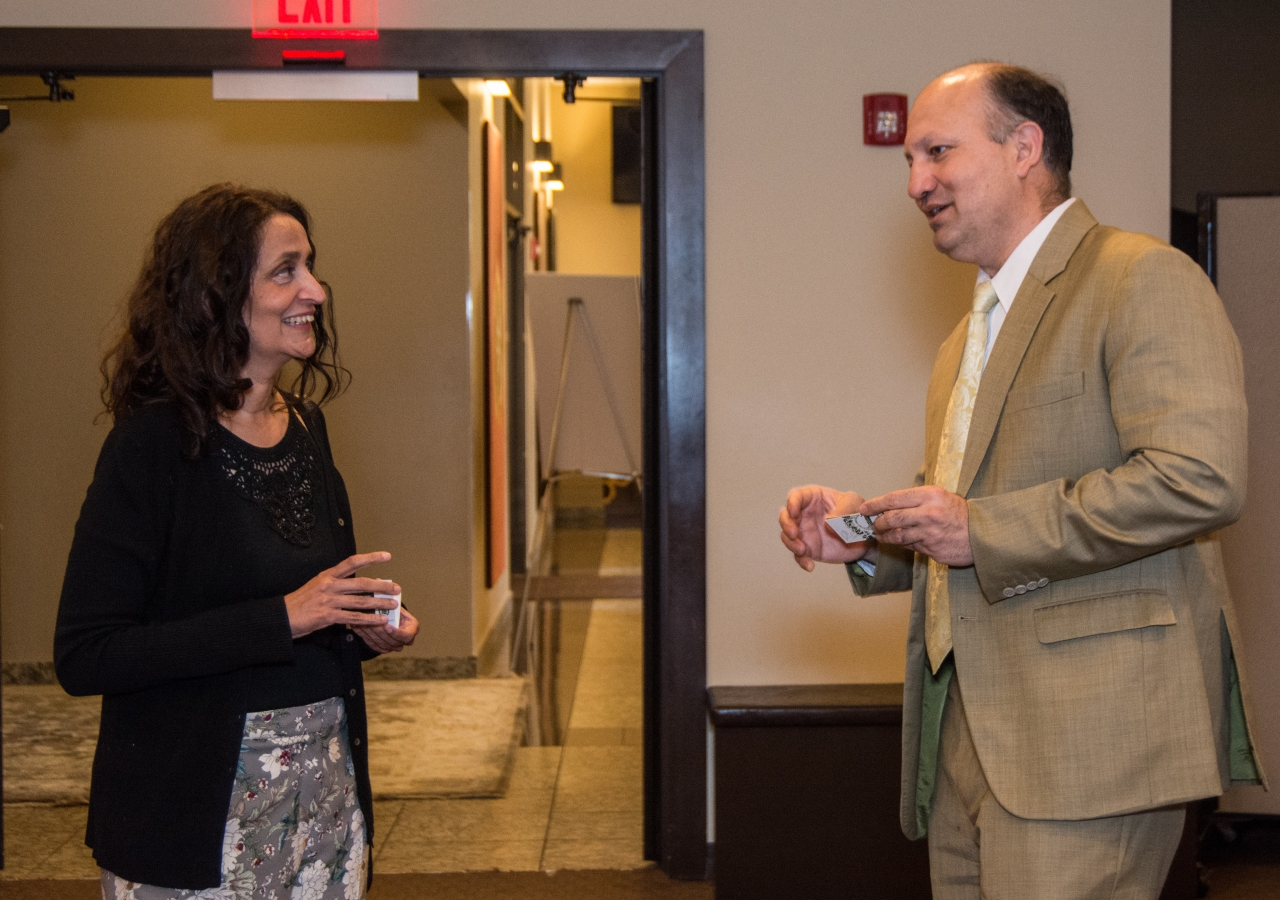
(674, 339)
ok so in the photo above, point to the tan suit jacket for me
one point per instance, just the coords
(1107, 445)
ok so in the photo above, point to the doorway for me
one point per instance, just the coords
(673, 323)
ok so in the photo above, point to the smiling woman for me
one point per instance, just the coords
(211, 594)
(285, 299)
(218, 257)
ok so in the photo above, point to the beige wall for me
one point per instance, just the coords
(825, 300)
(81, 187)
(594, 235)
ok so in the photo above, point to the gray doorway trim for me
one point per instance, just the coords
(675, 362)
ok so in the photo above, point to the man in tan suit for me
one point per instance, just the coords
(1070, 683)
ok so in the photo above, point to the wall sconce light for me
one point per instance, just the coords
(541, 157)
(555, 178)
(497, 87)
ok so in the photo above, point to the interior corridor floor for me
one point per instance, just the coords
(576, 806)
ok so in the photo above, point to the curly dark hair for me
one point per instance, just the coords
(185, 338)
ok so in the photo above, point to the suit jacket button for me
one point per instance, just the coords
(1043, 582)
(1009, 592)
(1020, 589)
(1032, 585)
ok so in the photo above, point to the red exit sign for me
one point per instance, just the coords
(346, 19)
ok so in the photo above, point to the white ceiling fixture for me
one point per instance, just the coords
(315, 85)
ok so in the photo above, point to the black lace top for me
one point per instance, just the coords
(283, 497)
(284, 480)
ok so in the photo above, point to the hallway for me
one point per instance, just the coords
(577, 806)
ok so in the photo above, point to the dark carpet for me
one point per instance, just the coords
(1245, 868)
(1241, 858)
(644, 884)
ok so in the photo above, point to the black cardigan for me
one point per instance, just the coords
(157, 616)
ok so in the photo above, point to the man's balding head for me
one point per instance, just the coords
(1019, 95)
(982, 170)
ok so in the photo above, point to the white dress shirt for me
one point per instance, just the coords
(1008, 280)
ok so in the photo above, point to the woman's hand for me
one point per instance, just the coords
(384, 638)
(334, 597)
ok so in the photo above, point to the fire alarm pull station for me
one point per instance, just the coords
(884, 119)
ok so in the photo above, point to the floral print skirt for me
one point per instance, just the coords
(294, 829)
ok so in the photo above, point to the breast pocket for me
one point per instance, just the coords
(1045, 392)
(1104, 614)
(1055, 428)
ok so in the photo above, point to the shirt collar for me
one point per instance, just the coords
(1009, 279)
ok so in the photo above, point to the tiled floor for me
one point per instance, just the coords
(597, 813)
(574, 807)
(46, 842)
(579, 806)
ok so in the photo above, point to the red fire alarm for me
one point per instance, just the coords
(884, 119)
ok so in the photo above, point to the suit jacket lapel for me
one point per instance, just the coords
(1019, 326)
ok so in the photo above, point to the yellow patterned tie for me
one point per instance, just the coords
(946, 469)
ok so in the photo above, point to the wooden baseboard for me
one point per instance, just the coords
(29, 673)
(396, 667)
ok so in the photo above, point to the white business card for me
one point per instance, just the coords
(853, 529)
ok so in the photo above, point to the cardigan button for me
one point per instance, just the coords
(356, 741)
(351, 637)
(342, 521)
(353, 692)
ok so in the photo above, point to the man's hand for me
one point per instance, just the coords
(927, 520)
(804, 526)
